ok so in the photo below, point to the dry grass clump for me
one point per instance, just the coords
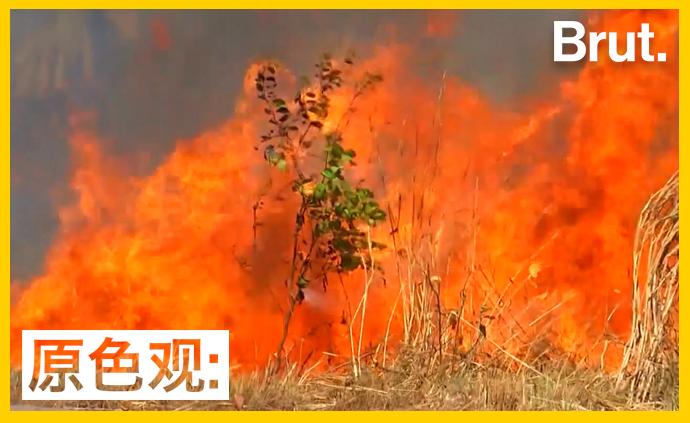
(409, 384)
(651, 354)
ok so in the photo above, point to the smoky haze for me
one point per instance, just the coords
(155, 77)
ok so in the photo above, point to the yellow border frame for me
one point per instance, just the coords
(114, 416)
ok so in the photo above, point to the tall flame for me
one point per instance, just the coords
(539, 203)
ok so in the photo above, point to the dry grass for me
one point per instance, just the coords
(409, 385)
(651, 354)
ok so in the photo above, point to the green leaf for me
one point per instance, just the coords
(348, 156)
(319, 191)
(321, 227)
(341, 244)
(348, 262)
(378, 214)
(281, 164)
(365, 193)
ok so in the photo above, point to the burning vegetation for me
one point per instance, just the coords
(379, 224)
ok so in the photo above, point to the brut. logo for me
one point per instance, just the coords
(560, 40)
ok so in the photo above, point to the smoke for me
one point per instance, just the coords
(156, 77)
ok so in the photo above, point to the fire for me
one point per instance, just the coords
(535, 208)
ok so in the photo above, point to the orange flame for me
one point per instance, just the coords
(551, 196)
